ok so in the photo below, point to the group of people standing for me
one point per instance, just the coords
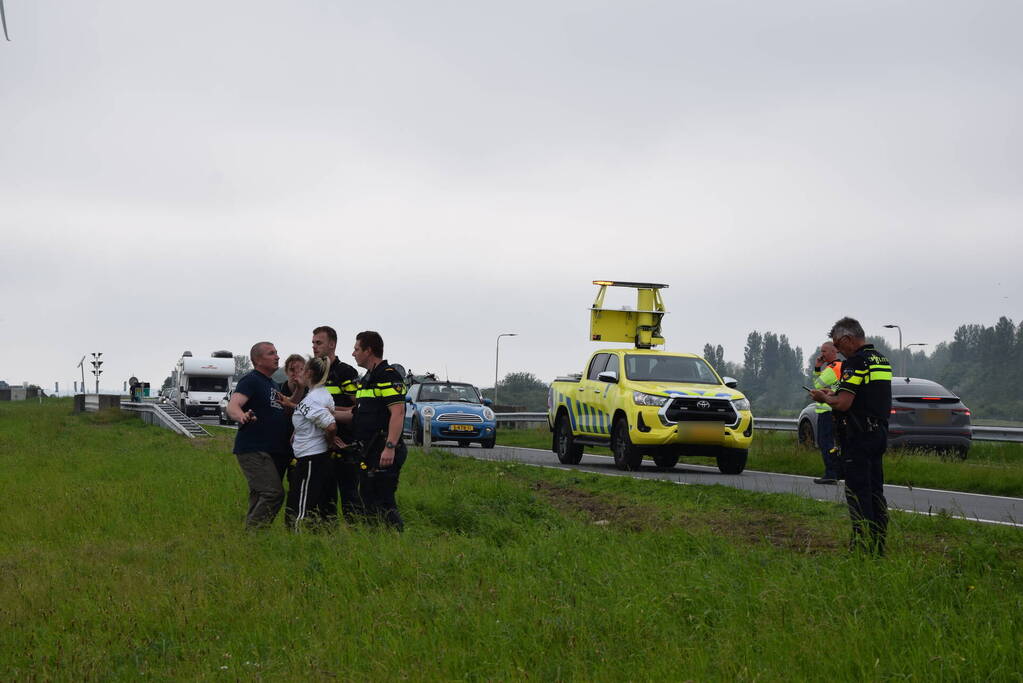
(331, 434)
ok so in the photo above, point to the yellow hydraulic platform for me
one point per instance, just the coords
(641, 327)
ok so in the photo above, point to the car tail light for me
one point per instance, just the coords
(965, 412)
(897, 410)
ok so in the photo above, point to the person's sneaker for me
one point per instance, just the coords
(825, 480)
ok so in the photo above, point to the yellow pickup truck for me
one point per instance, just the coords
(642, 401)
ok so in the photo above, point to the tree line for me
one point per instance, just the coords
(982, 365)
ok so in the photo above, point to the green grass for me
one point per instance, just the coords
(123, 556)
(992, 467)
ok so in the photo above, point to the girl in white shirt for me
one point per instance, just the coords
(311, 480)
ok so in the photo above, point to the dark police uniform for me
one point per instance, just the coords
(341, 384)
(863, 431)
(379, 389)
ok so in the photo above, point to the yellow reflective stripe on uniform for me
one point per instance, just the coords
(333, 390)
(377, 393)
(854, 379)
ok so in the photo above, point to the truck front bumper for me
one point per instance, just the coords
(648, 430)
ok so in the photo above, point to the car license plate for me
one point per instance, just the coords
(701, 432)
(460, 428)
(934, 417)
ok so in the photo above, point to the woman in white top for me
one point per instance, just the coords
(311, 480)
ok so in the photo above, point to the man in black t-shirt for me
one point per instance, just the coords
(262, 435)
(341, 384)
(862, 405)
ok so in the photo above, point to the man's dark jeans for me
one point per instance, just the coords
(826, 442)
(266, 491)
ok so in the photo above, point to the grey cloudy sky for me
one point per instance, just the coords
(204, 175)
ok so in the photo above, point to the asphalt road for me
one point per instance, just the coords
(971, 506)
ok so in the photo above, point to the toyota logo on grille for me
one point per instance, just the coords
(703, 405)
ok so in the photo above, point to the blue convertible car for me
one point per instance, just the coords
(456, 413)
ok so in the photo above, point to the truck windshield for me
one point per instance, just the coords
(668, 369)
(210, 384)
(455, 393)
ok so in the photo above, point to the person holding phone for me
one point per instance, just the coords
(862, 407)
(827, 373)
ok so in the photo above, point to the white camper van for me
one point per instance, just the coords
(202, 382)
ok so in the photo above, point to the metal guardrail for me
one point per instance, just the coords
(1011, 434)
(513, 418)
(775, 424)
(790, 424)
(980, 432)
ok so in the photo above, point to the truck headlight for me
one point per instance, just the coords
(641, 399)
(428, 411)
(488, 414)
(740, 404)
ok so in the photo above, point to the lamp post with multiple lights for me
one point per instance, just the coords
(96, 363)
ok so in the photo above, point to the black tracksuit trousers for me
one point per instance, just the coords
(310, 490)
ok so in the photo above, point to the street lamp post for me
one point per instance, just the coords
(497, 359)
(96, 362)
(910, 354)
(901, 356)
(81, 364)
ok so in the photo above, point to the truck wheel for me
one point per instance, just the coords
(732, 460)
(569, 453)
(417, 432)
(665, 461)
(626, 456)
(806, 434)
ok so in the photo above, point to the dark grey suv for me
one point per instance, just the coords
(924, 415)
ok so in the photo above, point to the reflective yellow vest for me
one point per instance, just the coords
(827, 377)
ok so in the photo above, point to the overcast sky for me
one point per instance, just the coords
(205, 175)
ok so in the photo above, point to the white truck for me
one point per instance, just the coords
(202, 382)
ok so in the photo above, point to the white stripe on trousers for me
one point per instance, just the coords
(304, 492)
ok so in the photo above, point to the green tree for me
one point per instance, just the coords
(242, 365)
(521, 390)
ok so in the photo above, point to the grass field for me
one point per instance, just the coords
(123, 556)
(994, 468)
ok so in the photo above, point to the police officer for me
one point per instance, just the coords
(862, 405)
(377, 424)
(341, 384)
(827, 373)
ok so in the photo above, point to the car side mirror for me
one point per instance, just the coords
(487, 402)
(730, 382)
(609, 376)
(408, 399)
